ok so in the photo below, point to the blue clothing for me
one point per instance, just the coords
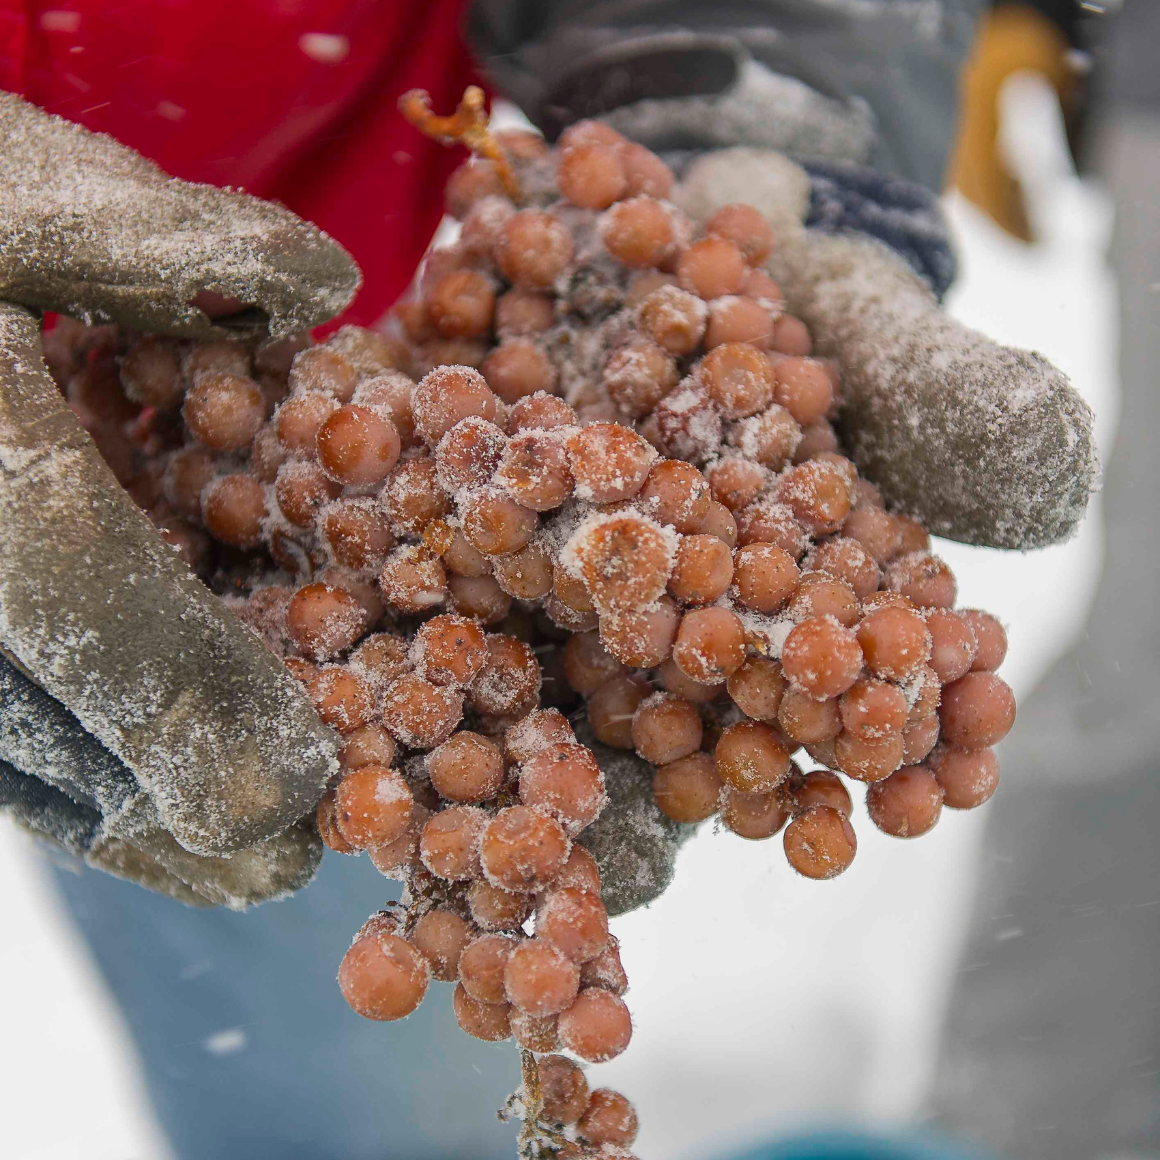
(847, 198)
(849, 1145)
(249, 1050)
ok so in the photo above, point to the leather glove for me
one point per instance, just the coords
(140, 725)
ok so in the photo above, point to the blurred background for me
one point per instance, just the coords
(996, 983)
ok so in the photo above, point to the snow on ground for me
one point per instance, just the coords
(763, 1002)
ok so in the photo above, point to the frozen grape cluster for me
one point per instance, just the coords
(586, 470)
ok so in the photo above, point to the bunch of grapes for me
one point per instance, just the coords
(594, 431)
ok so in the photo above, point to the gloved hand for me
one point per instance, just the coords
(173, 748)
(983, 443)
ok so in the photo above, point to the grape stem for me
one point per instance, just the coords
(468, 125)
(537, 1140)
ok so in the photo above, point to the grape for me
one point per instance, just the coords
(440, 936)
(372, 806)
(923, 579)
(535, 470)
(739, 379)
(533, 249)
(461, 304)
(487, 1021)
(687, 789)
(591, 175)
(673, 318)
(579, 871)
(518, 368)
(873, 709)
(605, 970)
(907, 803)
(494, 909)
(868, 759)
(953, 644)
(967, 778)
(821, 657)
(574, 922)
(482, 964)
(449, 843)
(419, 713)
(766, 577)
(302, 489)
(977, 711)
(466, 768)
(751, 757)
(819, 787)
(563, 1089)
(712, 268)
(638, 232)
(234, 509)
(357, 446)
(642, 639)
(328, 830)
(895, 642)
(990, 637)
(757, 688)
(539, 979)
(565, 781)
(613, 706)
(342, 699)
(820, 842)
(710, 645)
(609, 462)
(703, 570)
(224, 411)
(665, 728)
(323, 369)
(450, 650)
(522, 849)
(608, 1119)
(597, 1026)
(755, 815)
(323, 620)
(541, 730)
(534, 1032)
(383, 977)
(356, 533)
(367, 745)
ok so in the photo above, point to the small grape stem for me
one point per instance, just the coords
(537, 1140)
(468, 125)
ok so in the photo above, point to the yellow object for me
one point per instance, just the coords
(1011, 38)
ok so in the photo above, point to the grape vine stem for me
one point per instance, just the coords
(468, 125)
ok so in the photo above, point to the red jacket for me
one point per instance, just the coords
(288, 99)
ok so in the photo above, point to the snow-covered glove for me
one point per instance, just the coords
(983, 443)
(173, 749)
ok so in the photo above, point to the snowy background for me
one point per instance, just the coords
(761, 1000)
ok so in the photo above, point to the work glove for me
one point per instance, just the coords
(141, 726)
(983, 443)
